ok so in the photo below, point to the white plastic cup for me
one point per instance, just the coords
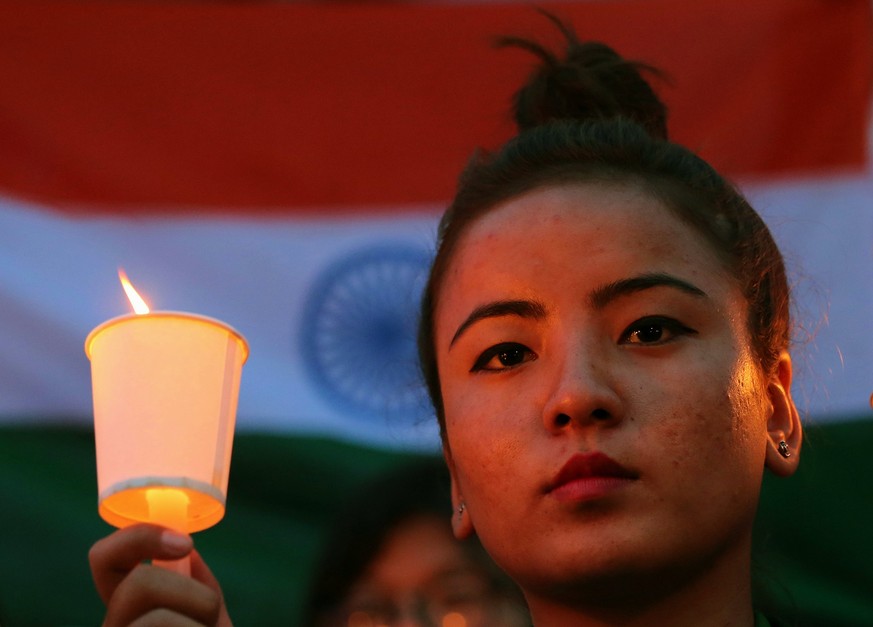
(165, 388)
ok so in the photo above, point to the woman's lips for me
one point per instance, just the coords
(589, 476)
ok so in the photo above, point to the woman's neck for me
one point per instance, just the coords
(718, 595)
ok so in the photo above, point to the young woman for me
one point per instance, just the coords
(605, 338)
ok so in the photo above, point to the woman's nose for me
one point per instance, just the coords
(584, 393)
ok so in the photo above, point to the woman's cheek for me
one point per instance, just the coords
(686, 408)
(707, 430)
(478, 420)
(487, 433)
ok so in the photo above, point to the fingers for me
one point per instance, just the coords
(113, 557)
(143, 595)
(200, 571)
(150, 595)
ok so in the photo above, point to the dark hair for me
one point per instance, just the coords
(591, 116)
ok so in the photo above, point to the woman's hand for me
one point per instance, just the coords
(142, 595)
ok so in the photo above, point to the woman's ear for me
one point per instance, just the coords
(462, 524)
(785, 433)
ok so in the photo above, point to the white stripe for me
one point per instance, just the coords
(825, 230)
(58, 280)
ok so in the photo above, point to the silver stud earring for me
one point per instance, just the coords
(461, 509)
(784, 451)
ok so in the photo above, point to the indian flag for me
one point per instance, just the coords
(282, 167)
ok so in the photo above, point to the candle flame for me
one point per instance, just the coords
(139, 305)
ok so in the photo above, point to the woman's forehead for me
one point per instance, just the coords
(592, 219)
(582, 200)
(579, 236)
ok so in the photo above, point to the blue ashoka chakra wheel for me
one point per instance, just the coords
(359, 333)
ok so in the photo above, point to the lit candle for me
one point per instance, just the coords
(165, 387)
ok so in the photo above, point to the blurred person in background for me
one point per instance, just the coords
(391, 559)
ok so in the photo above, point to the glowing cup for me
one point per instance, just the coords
(165, 387)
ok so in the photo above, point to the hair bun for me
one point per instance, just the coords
(591, 81)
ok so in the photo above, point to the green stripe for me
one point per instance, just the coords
(813, 537)
(813, 559)
(282, 492)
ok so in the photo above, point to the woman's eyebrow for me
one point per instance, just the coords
(602, 296)
(496, 309)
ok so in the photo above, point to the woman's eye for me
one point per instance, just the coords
(503, 357)
(654, 331)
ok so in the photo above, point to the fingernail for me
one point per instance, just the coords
(176, 542)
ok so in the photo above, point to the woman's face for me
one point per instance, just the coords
(605, 416)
